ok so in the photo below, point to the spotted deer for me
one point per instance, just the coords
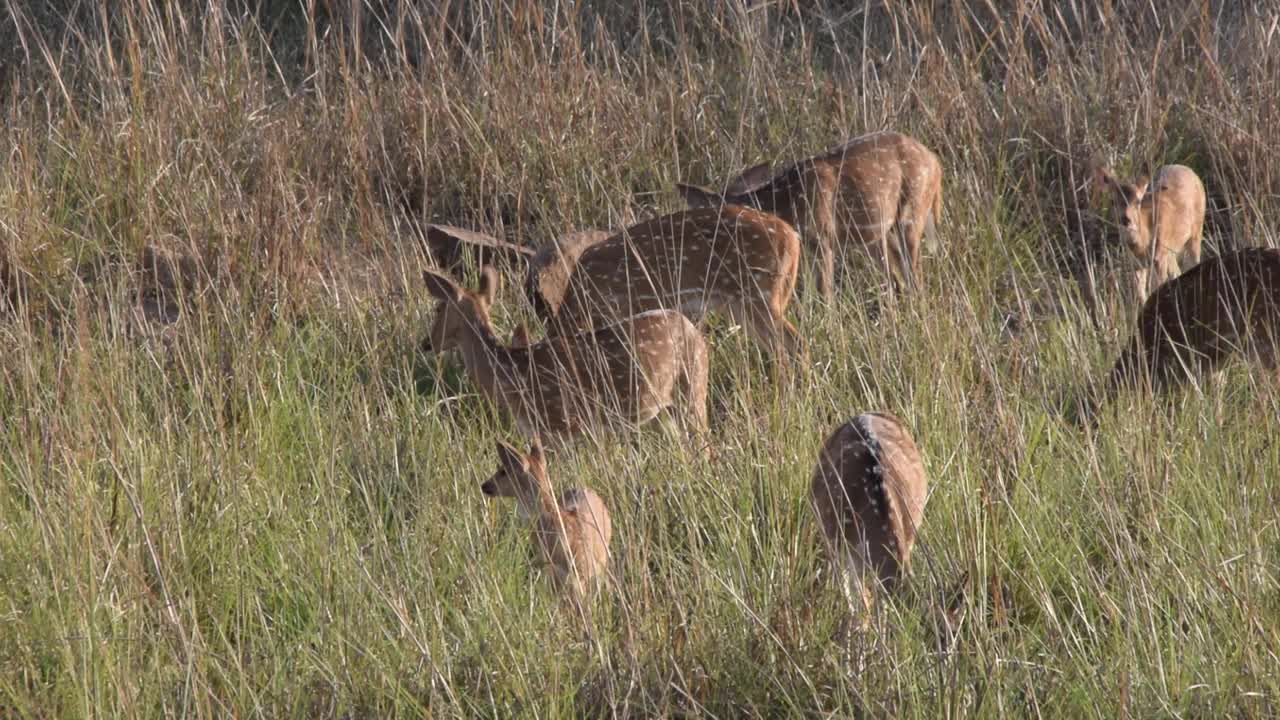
(868, 492)
(1161, 222)
(882, 192)
(1192, 325)
(732, 259)
(571, 533)
(617, 376)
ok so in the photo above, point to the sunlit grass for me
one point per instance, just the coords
(270, 506)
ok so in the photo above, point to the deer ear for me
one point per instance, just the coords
(440, 287)
(750, 179)
(508, 456)
(1103, 177)
(697, 197)
(1119, 190)
(1140, 185)
(489, 284)
(535, 450)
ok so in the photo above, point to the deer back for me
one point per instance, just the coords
(690, 260)
(1197, 320)
(622, 372)
(579, 551)
(1174, 204)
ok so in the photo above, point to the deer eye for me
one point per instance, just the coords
(1125, 221)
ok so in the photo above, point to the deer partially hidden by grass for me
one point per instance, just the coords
(1225, 306)
(571, 534)
(1161, 222)
(731, 259)
(618, 376)
(881, 191)
(868, 493)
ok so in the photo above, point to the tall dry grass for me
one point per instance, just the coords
(232, 486)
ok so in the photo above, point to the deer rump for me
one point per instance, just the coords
(868, 491)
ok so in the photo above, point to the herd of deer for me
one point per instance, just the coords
(623, 343)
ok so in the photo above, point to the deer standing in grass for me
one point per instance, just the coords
(868, 492)
(732, 259)
(881, 191)
(1193, 324)
(571, 533)
(1161, 221)
(620, 375)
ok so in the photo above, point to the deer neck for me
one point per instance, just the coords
(486, 360)
(539, 502)
(756, 199)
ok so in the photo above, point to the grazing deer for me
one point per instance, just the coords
(1161, 221)
(868, 492)
(571, 534)
(1192, 324)
(621, 374)
(863, 193)
(729, 258)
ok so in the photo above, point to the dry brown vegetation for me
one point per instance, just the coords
(229, 485)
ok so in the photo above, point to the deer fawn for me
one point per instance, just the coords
(868, 492)
(859, 194)
(571, 534)
(618, 375)
(1159, 221)
(735, 259)
(1192, 324)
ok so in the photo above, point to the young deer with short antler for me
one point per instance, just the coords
(1194, 323)
(1161, 222)
(571, 534)
(861, 194)
(619, 375)
(732, 258)
(868, 492)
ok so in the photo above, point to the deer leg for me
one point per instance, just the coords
(888, 265)
(692, 387)
(1140, 279)
(827, 268)
(904, 260)
(1194, 245)
(817, 259)
(1168, 268)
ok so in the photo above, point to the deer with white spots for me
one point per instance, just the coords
(882, 192)
(868, 492)
(1161, 222)
(1226, 306)
(618, 376)
(732, 259)
(571, 533)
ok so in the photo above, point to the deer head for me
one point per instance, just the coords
(459, 311)
(1135, 225)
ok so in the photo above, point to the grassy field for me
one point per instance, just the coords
(230, 485)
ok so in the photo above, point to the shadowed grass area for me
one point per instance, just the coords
(230, 483)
